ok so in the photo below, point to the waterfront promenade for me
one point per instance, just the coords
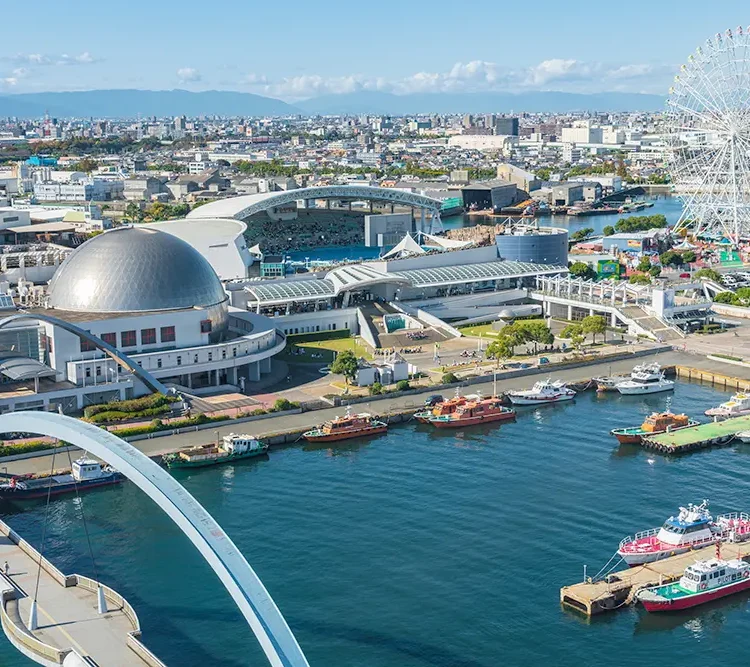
(382, 406)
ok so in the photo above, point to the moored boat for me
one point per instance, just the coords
(608, 383)
(544, 391)
(703, 581)
(481, 411)
(233, 448)
(348, 426)
(693, 527)
(85, 474)
(736, 406)
(445, 407)
(645, 379)
(658, 422)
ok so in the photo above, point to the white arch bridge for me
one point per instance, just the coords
(226, 560)
(246, 205)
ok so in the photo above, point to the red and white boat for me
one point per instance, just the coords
(692, 528)
(737, 406)
(475, 412)
(703, 581)
(544, 391)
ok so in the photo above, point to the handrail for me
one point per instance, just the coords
(23, 637)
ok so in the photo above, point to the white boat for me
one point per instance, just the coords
(544, 391)
(736, 406)
(645, 379)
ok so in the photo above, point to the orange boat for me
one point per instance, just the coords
(655, 423)
(348, 426)
(475, 412)
(445, 408)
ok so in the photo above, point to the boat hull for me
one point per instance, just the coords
(627, 436)
(644, 389)
(688, 601)
(43, 492)
(473, 421)
(642, 557)
(204, 463)
(525, 400)
(346, 435)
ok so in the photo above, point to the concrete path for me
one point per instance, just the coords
(68, 617)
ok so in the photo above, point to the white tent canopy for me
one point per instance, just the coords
(406, 246)
(445, 243)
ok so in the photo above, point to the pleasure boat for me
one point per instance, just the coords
(544, 391)
(645, 379)
(736, 406)
(608, 383)
(703, 581)
(655, 423)
(482, 411)
(692, 528)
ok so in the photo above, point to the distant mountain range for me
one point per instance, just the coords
(121, 103)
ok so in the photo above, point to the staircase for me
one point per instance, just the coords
(650, 324)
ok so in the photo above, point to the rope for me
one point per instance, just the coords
(44, 527)
(83, 519)
(604, 571)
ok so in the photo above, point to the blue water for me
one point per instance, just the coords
(422, 548)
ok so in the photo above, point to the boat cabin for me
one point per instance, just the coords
(660, 422)
(713, 573)
(239, 444)
(692, 524)
(477, 408)
(84, 469)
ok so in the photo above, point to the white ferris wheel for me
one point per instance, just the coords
(708, 134)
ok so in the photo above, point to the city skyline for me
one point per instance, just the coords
(397, 49)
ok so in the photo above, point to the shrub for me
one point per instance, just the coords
(283, 404)
(118, 415)
(449, 378)
(403, 385)
(376, 389)
(257, 412)
(131, 405)
(318, 335)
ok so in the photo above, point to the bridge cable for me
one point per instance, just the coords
(44, 526)
(79, 502)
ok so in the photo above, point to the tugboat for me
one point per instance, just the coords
(645, 379)
(86, 474)
(444, 408)
(475, 412)
(657, 422)
(703, 581)
(736, 406)
(348, 426)
(544, 391)
(234, 448)
(693, 527)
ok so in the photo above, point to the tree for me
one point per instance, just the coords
(345, 364)
(403, 385)
(708, 274)
(644, 264)
(670, 258)
(543, 174)
(133, 212)
(582, 270)
(640, 279)
(594, 324)
(641, 223)
(608, 230)
(87, 164)
(534, 331)
(573, 333)
(655, 271)
(582, 234)
(512, 335)
(375, 389)
(689, 256)
(449, 378)
(500, 348)
(724, 297)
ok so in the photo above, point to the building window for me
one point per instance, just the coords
(234, 351)
(195, 358)
(148, 336)
(179, 360)
(87, 345)
(167, 335)
(224, 353)
(210, 356)
(127, 339)
(98, 371)
(158, 362)
(205, 326)
(110, 339)
(88, 372)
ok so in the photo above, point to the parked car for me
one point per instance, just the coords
(432, 401)
(684, 275)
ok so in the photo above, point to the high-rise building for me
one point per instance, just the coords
(507, 126)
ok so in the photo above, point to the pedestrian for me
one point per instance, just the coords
(6, 568)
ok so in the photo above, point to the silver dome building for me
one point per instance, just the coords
(138, 270)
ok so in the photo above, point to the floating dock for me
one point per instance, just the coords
(592, 598)
(698, 437)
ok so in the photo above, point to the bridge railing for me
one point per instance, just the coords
(19, 636)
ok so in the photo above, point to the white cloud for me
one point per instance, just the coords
(188, 75)
(42, 60)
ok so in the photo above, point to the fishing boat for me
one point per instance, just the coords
(645, 379)
(736, 406)
(444, 407)
(692, 528)
(233, 448)
(703, 581)
(85, 474)
(655, 423)
(348, 426)
(481, 411)
(609, 382)
(544, 391)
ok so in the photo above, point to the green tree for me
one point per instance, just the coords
(708, 274)
(670, 258)
(500, 349)
(133, 213)
(403, 385)
(689, 256)
(345, 364)
(449, 378)
(640, 279)
(574, 333)
(534, 331)
(608, 230)
(594, 324)
(644, 264)
(641, 223)
(543, 174)
(87, 164)
(724, 297)
(375, 389)
(655, 271)
(582, 234)
(582, 270)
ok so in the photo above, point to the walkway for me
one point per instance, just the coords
(67, 615)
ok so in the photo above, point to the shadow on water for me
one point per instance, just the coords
(340, 448)
(429, 654)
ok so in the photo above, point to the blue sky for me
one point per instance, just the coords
(296, 49)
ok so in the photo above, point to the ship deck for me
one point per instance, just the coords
(698, 436)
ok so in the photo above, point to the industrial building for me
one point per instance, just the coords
(491, 195)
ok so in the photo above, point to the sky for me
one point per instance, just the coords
(297, 49)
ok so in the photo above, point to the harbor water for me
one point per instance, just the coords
(420, 548)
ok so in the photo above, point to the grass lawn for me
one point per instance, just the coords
(327, 348)
(485, 330)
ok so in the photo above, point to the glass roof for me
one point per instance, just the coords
(447, 275)
(281, 292)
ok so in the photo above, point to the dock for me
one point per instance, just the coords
(69, 622)
(698, 437)
(597, 597)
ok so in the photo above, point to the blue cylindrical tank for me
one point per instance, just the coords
(547, 245)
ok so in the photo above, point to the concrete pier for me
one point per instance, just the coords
(68, 618)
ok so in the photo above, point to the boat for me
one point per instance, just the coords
(233, 448)
(703, 581)
(736, 406)
(348, 426)
(544, 391)
(608, 383)
(444, 407)
(692, 528)
(655, 423)
(85, 474)
(645, 379)
(482, 411)
(743, 436)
